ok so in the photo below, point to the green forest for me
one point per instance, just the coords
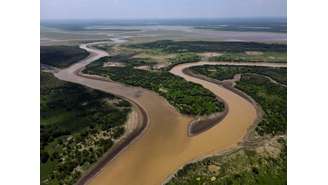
(181, 58)
(208, 46)
(271, 97)
(61, 56)
(78, 125)
(251, 164)
(187, 97)
(273, 100)
(228, 71)
(242, 167)
(279, 57)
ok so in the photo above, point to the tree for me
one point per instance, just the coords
(44, 156)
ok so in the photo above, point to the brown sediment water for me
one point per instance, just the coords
(164, 146)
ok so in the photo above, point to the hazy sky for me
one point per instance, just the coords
(152, 9)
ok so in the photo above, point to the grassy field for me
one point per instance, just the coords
(264, 162)
(61, 56)
(280, 57)
(78, 125)
(187, 97)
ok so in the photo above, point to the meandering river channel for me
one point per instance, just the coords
(164, 145)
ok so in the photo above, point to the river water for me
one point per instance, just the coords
(164, 146)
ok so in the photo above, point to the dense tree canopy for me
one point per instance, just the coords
(61, 56)
(207, 46)
(187, 97)
(78, 125)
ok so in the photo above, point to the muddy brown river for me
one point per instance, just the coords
(164, 146)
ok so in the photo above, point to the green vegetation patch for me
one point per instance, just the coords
(78, 125)
(227, 72)
(104, 47)
(272, 97)
(187, 97)
(243, 167)
(61, 56)
(280, 57)
(185, 57)
(181, 58)
(206, 46)
(124, 59)
(273, 100)
(262, 164)
(135, 62)
(251, 28)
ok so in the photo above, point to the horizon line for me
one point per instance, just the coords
(168, 18)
